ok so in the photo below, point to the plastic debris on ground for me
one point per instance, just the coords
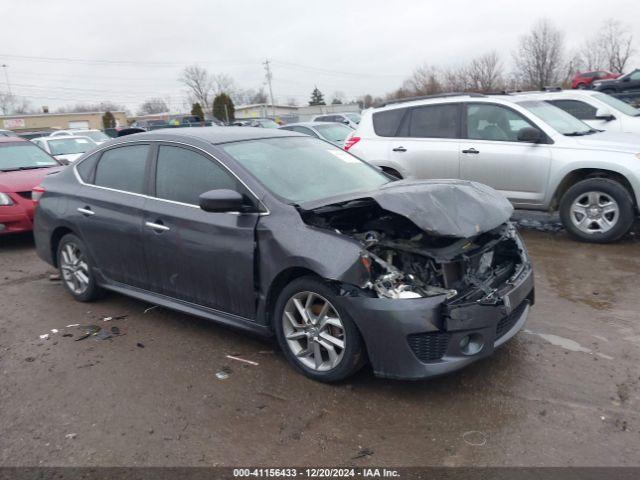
(238, 359)
(224, 373)
(363, 452)
(54, 277)
(44, 336)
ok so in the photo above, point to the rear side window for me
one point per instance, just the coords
(183, 175)
(386, 123)
(123, 168)
(578, 109)
(435, 121)
(85, 168)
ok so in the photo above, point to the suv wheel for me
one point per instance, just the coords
(597, 210)
(75, 269)
(317, 336)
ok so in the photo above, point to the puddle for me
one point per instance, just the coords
(566, 343)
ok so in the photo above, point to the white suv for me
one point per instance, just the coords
(538, 156)
(596, 109)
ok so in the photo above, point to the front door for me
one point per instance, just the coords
(109, 213)
(491, 154)
(427, 142)
(200, 257)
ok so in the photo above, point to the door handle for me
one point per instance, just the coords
(157, 226)
(86, 211)
(470, 150)
(399, 149)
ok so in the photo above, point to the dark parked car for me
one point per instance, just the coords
(627, 82)
(279, 233)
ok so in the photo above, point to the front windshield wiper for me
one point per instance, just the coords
(33, 167)
(577, 134)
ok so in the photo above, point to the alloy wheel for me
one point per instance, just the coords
(314, 331)
(75, 270)
(595, 212)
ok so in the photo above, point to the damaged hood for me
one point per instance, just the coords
(449, 208)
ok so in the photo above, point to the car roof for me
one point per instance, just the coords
(550, 95)
(215, 135)
(12, 139)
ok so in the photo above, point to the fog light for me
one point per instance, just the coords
(471, 344)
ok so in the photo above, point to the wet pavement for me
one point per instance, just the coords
(564, 392)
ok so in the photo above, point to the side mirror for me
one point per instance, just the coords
(604, 114)
(222, 200)
(529, 135)
(627, 78)
(345, 121)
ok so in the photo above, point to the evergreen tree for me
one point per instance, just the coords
(196, 111)
(108, 120)
(316, 97)
(220, 112)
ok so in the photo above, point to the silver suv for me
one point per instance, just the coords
(538, 156)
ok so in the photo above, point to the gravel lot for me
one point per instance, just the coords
(566, 391)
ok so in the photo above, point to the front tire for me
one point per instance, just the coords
(75, 269)
(597, 210)
(316, 335)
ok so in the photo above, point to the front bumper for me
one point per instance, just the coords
(421, 338)
(18, 217)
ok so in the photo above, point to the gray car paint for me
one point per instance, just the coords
(282, 248)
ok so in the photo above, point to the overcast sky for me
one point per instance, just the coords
(64, 52)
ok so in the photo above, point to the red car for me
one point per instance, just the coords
(23, 165)
(585, 79)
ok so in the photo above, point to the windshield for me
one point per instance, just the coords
(96, 136)
(301, 169)
(618, 104)
(16, 156)
(559, 120)
(354, 117)
(334, 133)
(64, 146)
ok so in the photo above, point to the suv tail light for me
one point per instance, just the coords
(350, 142)
(36, 193)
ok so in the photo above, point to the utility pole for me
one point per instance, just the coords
(6, 76)
(268, 70)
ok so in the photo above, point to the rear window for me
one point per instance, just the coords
(435, 121)
(123, 168)
(386, 123)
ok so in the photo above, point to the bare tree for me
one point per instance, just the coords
(456, 79)
(7, 103)
(484, 72)
(153, 105)
(539, 57)
(424, 81)
(617, 45)
(200, 84)
(223, 83)
(592, 55)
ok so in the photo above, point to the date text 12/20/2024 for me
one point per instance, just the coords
(315, 473)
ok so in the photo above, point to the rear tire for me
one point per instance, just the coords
(597, 210)
(315, 334)
(76, 269)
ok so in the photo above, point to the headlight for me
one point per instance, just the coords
(5, 200)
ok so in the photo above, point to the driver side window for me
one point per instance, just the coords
(494, 122)
(183, 175)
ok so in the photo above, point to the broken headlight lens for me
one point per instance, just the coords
(5, 200)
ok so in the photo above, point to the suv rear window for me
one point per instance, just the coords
(435, 121)
(386, 123)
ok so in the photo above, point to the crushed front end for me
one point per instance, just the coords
(433, 304)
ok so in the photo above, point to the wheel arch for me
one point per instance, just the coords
(56, 236)
(280, 281)
(580, 174)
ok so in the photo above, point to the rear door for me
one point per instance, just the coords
(427, 142)
(109, 211)
(199, 257)
(491, 154)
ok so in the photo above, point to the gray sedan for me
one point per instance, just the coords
(330, 131)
